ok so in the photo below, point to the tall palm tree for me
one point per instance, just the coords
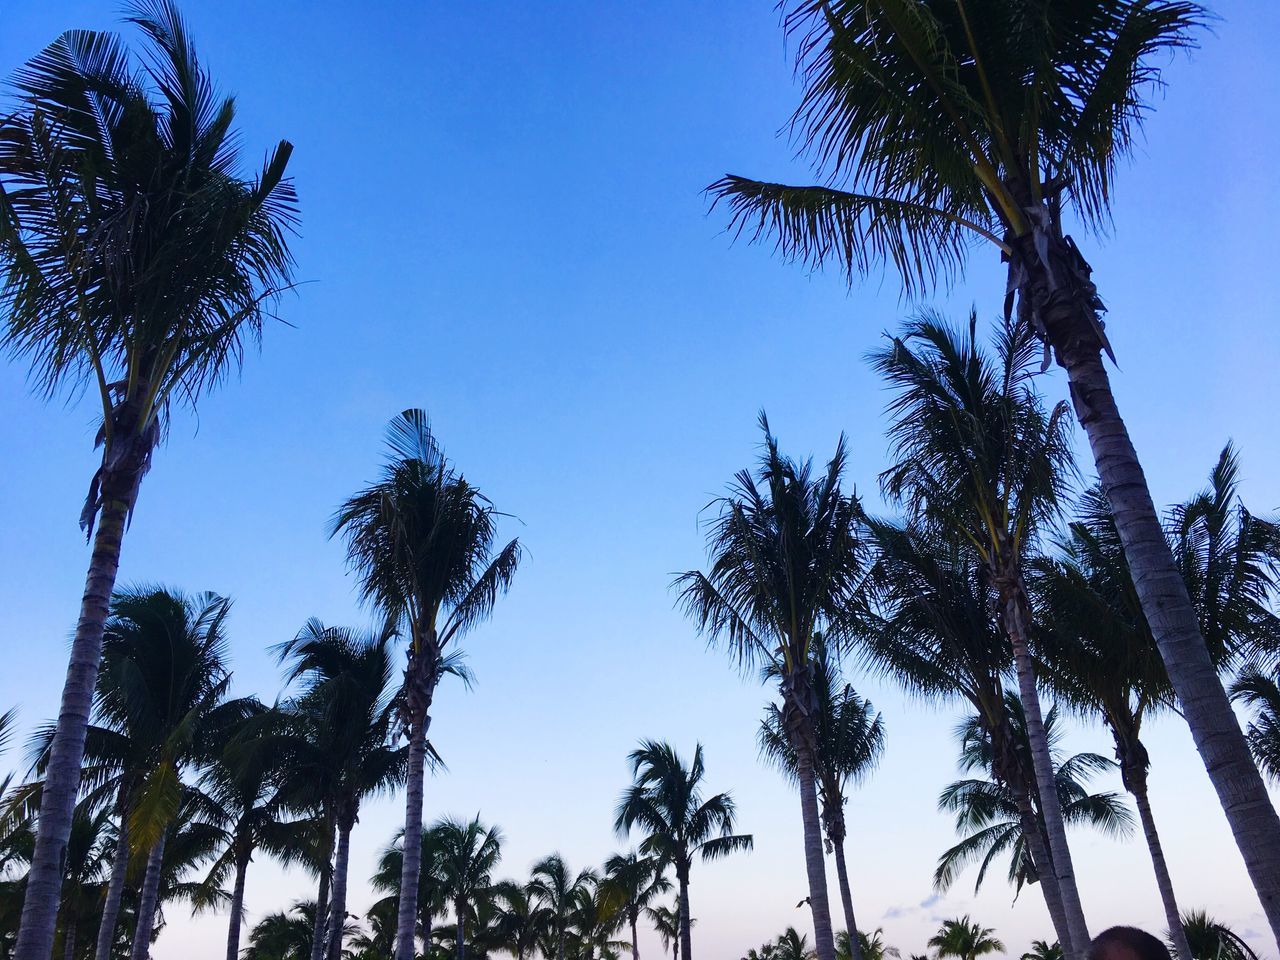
(964, 940)
(556, 889)
(666, 803)
(164, 675)
(934, 125)
(850, 741)
(987, 811)
(1257, 689)
(469, 852)
(1212, 940)
(930, 627)
(1100, 656)
(432, 891)
(786, 564)
(976, 451)
(87, 867)
(138, 262)
(422, 540)
(594, 921)
(631, 882)
(348, 691)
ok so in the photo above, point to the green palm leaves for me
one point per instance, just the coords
(965, 940)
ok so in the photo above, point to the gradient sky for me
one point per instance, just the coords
(503, 223)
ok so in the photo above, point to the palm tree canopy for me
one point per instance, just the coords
(931, 125)
(631, 882)
(965, 939)
(987, 810)
(871, 945)
(422, 539)
(138, 261)
(786, 561)
(1211, 940)
(1259, 690)
(666, 803)
(469, 852)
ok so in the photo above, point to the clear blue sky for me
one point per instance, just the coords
(503, 224)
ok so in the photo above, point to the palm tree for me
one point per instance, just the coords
(285, 936)
(930, 626)
(86, 869)
(1211, 940)
(987, 810)
(666, 803)
(348, 694)
(632, 882)
(976, 451)
(163, 678)
(422, 540)
(137, 262)
(521, 921)
(241, 785)
(936, 124)
(792, 946)
(1043, 950)
(1255, 688)
(850, 741)
(1100, 656)
(964, 940)
(666, 924)
(556, 890)
(786, 563)
(432, 891)
(468, 854)
(870, 946)
(594, 921)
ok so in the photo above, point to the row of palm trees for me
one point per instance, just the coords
(139, 262)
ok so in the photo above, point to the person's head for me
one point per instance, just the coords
(1127, 943)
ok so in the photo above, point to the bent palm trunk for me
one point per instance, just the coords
(62, 776)
(338, 898)
(1046, 782)
(115, 889)
(1058, 290)
(237, 906)
(148, 901)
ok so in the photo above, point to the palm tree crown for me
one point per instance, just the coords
(965, 940)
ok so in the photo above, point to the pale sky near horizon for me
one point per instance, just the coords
(502, 222)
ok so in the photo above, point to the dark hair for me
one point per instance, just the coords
(1141, 944)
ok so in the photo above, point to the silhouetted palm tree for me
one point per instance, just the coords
(666, 924)
(422, 540)
(632, 882)
(138, 263)
(347, 699)
(850, 740)
(666, 804)
(1042, 950)
(935, 125)
(1212, 940)
(432, 893)
(786, 565)
(870, 946)
(986, 810)
(556, 890)
(1256, 689)
(469, 852)
(792, 946)
(964, 940)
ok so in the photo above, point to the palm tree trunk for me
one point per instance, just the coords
(321, 921)
(686, 940)
(1034, 838)
(635, 936)
(1172, 916)
(1015, 623)
(115, 888)
(69, 939)
(1069, 317)
(412, 860)
(148, 902)
(846, 897)
(237, 907)
(338, 897)
(458, 907)
(62, 776)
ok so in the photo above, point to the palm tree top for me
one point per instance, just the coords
(933, 125)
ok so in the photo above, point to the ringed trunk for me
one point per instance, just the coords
(458, 909)
(62, 776)
(69, 939)
(1015, 622)
(148, 902)
(237, 907)
(321, 922)
(411, 867)
(1068, 315)
(846, 898)
(635, 936)
(1136, 781)
(338, 897)
(686, 940)
(115, 888)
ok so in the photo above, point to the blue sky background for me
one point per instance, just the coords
(503, 223)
